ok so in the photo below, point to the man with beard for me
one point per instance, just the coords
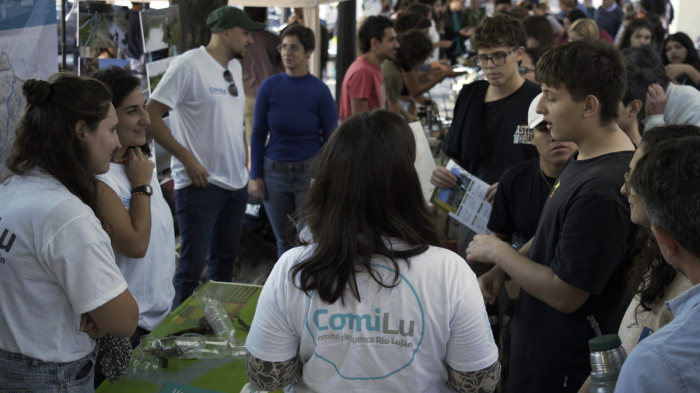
(363, 85)
(203, 90)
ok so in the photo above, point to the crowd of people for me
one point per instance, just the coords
(593, 214)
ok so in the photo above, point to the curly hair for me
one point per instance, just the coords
(410, 20)
(499, 30)
(650, 275)
(415, 48)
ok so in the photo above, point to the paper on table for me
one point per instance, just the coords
(466, 201)
(425, 164)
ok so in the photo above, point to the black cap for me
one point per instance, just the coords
(227, 17)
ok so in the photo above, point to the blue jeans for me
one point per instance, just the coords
(211, 221)
(22, 374)
(286, 185)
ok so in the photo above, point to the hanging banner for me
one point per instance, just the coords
(28, 50)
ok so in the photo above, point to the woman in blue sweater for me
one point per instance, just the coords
(296, 110)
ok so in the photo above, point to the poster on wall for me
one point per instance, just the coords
(156, 70)
(103, 25)
(28, 50)
(161, 29)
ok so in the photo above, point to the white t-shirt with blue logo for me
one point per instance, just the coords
(205, 118)
(399, 339)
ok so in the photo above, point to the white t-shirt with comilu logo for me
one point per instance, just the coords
(399, 339)
(150, 278)
(56, 263)
(205, 118)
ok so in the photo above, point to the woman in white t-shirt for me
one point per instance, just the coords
(373, 304)
(137, 217)
(59, 285)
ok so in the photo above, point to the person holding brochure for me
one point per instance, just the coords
(523, 188)
(60, 287)
(576, 265)
(373, 303)
(487, 114)
(520, 198)
(279, 172)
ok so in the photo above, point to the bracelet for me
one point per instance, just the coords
(142, 193)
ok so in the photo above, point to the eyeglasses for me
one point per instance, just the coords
(292, 48)
(498, 59)
(525, 70)
(232, 89)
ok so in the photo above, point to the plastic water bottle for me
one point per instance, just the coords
(607, 357)
(191, 346)
(217, 317)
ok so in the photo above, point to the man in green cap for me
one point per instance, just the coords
(203, 91)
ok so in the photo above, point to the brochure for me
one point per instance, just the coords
(465, 202)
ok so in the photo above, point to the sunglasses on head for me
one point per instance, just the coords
(232, 89)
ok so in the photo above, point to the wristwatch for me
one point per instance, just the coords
(144, 189)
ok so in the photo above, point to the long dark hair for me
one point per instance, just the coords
(691, 58)
(636, 24)
(650, 275)
(45, 135)
(366, 189)
(415, 48)
(121, 82)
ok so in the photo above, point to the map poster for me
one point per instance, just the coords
(28, 50)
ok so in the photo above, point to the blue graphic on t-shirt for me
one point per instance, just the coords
(336, 322)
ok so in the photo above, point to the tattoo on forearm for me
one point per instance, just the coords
(272, 375)
(482, 381)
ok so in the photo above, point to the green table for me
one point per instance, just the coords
(223, 375)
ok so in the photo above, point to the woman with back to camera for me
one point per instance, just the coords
(681, 60)
(652, 280)
(60, 286)
(138, 218)
(296, 110)
(373, 303)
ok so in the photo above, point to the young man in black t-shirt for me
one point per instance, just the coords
(487, 114)
(576, 260)
(522, 192)
(523, 188)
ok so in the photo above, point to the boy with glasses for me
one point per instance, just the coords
(203, 90)
(576, 261)
(487, 113)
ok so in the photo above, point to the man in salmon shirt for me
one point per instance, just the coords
(363, 86)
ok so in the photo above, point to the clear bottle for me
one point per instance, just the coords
(192, 346)
(217, 317)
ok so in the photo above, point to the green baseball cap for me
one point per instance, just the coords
(227, 17)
